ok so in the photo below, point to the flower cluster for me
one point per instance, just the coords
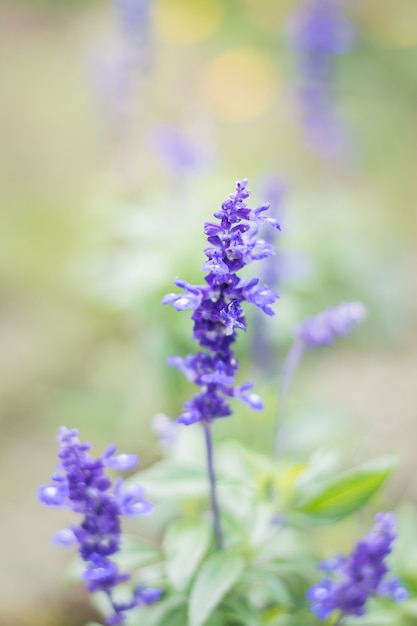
(81, 485)
(351, 580)
(338, 321)
(320, 31)
(217, 310)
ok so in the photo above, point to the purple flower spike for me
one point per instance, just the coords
(217, 310)
(320, 32)
(338, 321)
(81, 485)
(353, 579)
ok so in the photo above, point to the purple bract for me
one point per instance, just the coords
(81, 485)
(351, 580)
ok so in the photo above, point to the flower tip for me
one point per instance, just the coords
(65, 537)
(122, 462)
(51, 495)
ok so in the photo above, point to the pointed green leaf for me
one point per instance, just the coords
(185, 544)
(342, 495)
(215, 578)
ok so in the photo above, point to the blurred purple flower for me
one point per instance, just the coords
(179, 153)
(166, 430)
(351, 580)
(338, 321)
(319, 32)
(135, 18)
(81, 485)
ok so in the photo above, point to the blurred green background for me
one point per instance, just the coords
(95, 224)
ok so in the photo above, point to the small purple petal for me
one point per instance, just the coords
(65, 537)
(53, 495)
(252, 400)
(122, 462)
(132, 501)
(148, 595)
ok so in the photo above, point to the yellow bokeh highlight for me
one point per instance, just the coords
(240, 84)
(392, 23)
(187, 21)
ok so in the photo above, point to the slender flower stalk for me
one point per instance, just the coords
(351, 580)
(320, 330)
(81, 485)
(218, 314)
(290, 366)
(213, 492)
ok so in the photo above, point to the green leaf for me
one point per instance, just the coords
(238, 610)
(171, 480)
(135, 552)
(185, 544)
(215, 578)
(268, 588)
(342, 495)
(160, 613)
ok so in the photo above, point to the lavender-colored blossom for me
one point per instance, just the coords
(179, 153)
(217, 310)
(166, 430)
(351, 580)
(116, 69)
(81, 485)
(320, 31)
(135, 18)
(338, 321)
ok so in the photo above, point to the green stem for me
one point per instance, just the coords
(288, 371)
(218, 536)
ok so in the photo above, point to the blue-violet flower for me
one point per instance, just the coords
(217, 310)
(338, 321)
(81, 485)
(351, 580)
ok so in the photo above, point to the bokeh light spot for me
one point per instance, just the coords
(187, 21)
(392, 23)
(240, 84)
